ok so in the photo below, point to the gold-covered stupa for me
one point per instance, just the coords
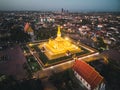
(59, 46)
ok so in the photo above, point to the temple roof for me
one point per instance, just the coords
(88, 73)
(28, 28)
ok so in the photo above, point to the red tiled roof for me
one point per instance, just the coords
(88, 73)
(26, 26)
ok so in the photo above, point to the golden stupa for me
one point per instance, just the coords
(59, 46)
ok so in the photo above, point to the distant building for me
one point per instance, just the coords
(99, 27)
(46, 19)
(88, 76)
(62, 10)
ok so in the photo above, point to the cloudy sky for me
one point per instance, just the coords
(73, 5)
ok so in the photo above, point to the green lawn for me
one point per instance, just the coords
(33, 63)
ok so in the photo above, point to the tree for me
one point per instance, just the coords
(101, 42)
(18, 35)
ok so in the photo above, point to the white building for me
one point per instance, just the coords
(88, 76)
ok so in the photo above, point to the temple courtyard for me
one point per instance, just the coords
(59, 50)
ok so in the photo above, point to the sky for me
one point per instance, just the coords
(72, 5)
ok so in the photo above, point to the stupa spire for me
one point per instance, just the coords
(58, 32)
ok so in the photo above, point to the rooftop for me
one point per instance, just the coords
(88, 73)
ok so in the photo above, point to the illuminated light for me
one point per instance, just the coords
(24, 51)
(65, 25)
(51, 67)
(30, 44)
(61, 27)
(76, 47)
(66, 38)
(44, 44)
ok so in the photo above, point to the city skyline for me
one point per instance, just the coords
(55, 5)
